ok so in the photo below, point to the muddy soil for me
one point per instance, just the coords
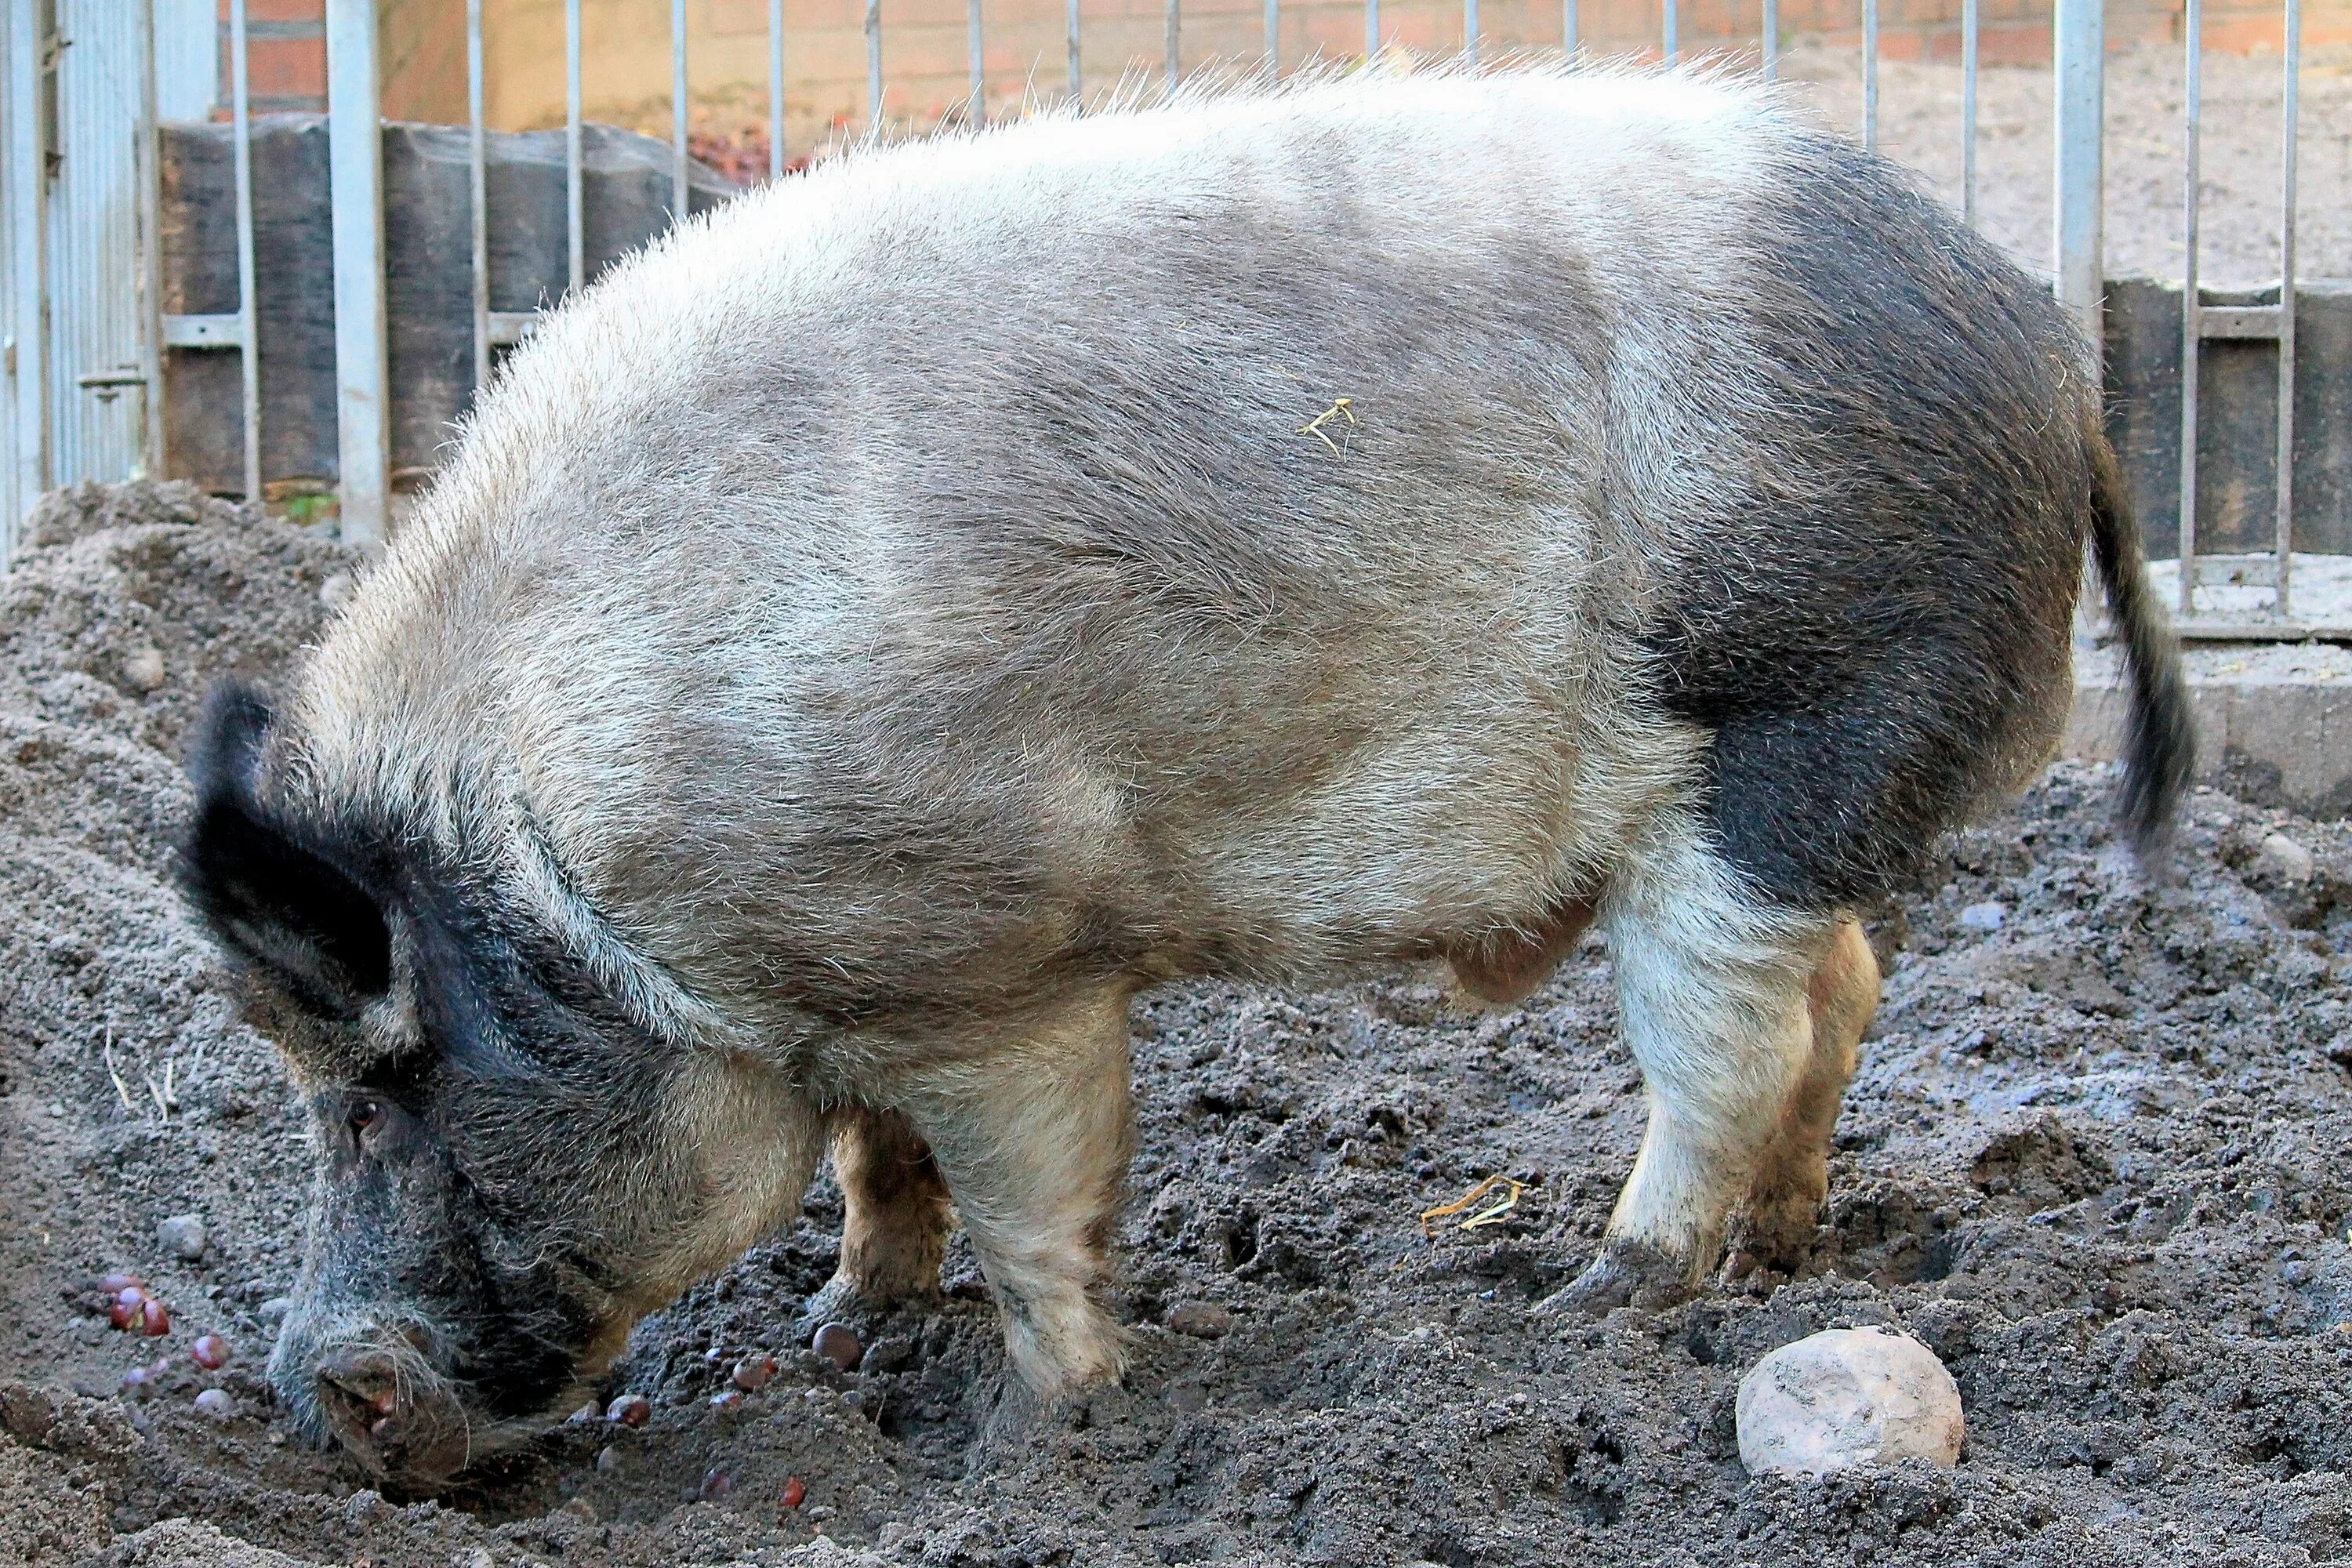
(2092, 1158)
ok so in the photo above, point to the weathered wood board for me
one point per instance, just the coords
(428, 266)
(2237, 419)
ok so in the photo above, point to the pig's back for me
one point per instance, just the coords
(1221, 536)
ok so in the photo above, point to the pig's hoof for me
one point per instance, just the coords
(839, 1301)
(1770, 1245)
(1626, 1274)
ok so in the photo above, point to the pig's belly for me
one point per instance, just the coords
(1394, 852)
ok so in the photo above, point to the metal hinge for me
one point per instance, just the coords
(225, 331)
(2237, 571)
(109, 383)
(2238, 320)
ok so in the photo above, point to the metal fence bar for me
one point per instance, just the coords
(873, 65)
(1670, 30)
(8, 507)
(29, 337)
(2192, 304)
(2079, 50)
(355, 187)
(1570, 39)
(677, 107)
(1175, 62)
(1968, 112)
(91, 90)
(975, 53)
(1371, 27)
(576, 226)
(248, 313)
(776, 84)
(1070, 29)
(1274, 37)
(1870, 74)
(149, 152)
(2282, 605)
(478, 195)
(1470, 30)
(1771, 40)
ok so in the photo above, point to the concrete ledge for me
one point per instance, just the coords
(2274, 720)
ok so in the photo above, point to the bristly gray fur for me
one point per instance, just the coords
(882, 625)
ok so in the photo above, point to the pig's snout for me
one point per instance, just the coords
(382, 1400)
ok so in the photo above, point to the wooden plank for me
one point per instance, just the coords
(294, 304)
(429, 277)
(2237, 438)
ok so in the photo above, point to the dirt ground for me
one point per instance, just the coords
(2092, 1158)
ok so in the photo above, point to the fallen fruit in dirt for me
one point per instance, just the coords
(839, 1344)
(124, 1311)
(217, 1404)
(794, 1490)
(753, 1374)
(1845, 1397)
(116, 1283)
(630, 1410)
(210, 1352)
(153, 1320)
(716, 1484)
(727, 1399)
(136, 1381)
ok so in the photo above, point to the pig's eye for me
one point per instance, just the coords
(366, 1116)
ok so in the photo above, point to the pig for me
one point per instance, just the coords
(877, 630)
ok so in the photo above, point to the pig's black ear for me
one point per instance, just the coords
(265, 887)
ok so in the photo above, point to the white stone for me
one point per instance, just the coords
(1987, 916)
(142, 668)
(2284, 858)
(1846, 1397)
(184, 1237)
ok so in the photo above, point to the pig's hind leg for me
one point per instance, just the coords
(1034, 1136)
(1784, 1200)
(895, 1211)
(1711, 990)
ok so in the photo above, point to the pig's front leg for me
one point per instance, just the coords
(1711, 988)
(1033, 1134)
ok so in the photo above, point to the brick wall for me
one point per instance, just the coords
(285, 56)
(625, 44)
(626, 64)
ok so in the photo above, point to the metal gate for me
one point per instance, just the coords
(85, 83)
